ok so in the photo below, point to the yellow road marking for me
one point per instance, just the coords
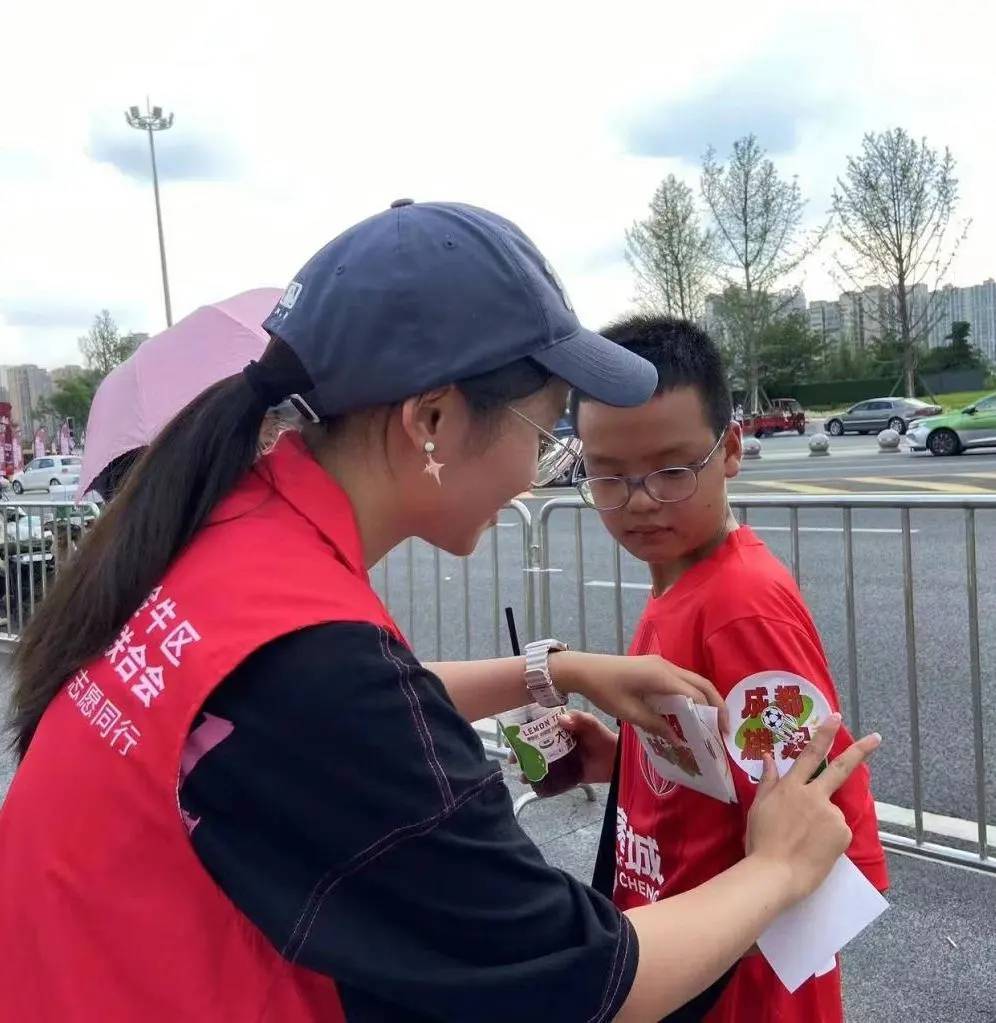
(977, 475)
(916, 484)
(792, 488)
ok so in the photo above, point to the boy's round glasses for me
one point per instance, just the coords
(666, 486)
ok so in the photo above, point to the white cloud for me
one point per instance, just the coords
(296, 120)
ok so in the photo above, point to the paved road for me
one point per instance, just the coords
(857, 465)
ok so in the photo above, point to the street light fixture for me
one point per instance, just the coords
(152, 121)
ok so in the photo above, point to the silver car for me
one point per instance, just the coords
(880, 414)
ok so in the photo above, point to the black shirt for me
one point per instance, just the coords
(350, 813)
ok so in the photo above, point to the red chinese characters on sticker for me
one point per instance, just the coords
(757, 742)
(755, 701)
(791, 748)
(788, 699)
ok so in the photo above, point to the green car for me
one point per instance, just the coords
(951, 434)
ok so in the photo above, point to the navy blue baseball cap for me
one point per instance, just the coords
(428, 294)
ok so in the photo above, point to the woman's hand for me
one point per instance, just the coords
(619, 685)
(792, 821)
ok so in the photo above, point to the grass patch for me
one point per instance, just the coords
(957, 401)
(953, 402)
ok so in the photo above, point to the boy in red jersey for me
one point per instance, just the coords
(723, 606)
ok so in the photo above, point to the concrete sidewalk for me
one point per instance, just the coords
(930, 959)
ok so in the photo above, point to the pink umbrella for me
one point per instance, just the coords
(139, 397)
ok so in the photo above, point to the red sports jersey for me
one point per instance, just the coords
(738, 619)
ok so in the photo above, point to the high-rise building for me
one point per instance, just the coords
(26, 385)
(975, 305)
(860, 318)
(825, 320)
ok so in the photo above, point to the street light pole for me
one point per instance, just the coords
(152, 121)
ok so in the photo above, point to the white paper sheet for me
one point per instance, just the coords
(801, 940)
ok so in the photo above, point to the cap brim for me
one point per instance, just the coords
(601, 369)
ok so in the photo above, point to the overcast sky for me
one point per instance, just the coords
(294, 122)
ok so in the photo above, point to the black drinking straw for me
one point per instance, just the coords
(512, 634)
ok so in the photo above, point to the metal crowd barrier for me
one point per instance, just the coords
(38, 537)
(981, 856)
(444, 627)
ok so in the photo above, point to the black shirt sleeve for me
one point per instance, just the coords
(348, 810)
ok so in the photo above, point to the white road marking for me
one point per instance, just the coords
(608, 584)
(935, 823)
(825, 529)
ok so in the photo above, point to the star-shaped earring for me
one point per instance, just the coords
(432, 467)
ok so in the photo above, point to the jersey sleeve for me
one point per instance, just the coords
(777, 684)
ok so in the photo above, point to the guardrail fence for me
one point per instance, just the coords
(571, 583)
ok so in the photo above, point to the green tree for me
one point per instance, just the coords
(894, 208)
(758, 227)
(845, 362)
(959, 354)
(670, 253)
(104, 347)
(789, 352)
(71, 398)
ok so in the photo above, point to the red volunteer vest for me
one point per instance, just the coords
(106, 913)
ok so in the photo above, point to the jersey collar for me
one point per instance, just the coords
(292, 471)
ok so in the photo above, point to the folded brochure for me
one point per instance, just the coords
(696, 756)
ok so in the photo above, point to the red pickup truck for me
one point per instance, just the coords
(783, 415)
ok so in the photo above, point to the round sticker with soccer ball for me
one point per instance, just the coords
(773, 712)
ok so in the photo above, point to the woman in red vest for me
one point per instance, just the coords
(241, 796)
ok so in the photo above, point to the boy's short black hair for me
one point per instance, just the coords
(684, 356)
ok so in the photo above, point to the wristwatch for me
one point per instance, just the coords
(539, 682)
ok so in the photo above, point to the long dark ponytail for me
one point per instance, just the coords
(196, 460)
(168, 495)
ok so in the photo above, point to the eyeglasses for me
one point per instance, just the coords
(666, 486)
(555, 457)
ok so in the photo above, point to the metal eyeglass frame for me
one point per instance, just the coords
(568, 450)
(641, 481)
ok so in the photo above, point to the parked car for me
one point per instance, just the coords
(42, 473)
(785, 414)
(880, 414)
(973, 427)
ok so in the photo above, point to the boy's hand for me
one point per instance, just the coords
(619, 685)
(596, 742)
